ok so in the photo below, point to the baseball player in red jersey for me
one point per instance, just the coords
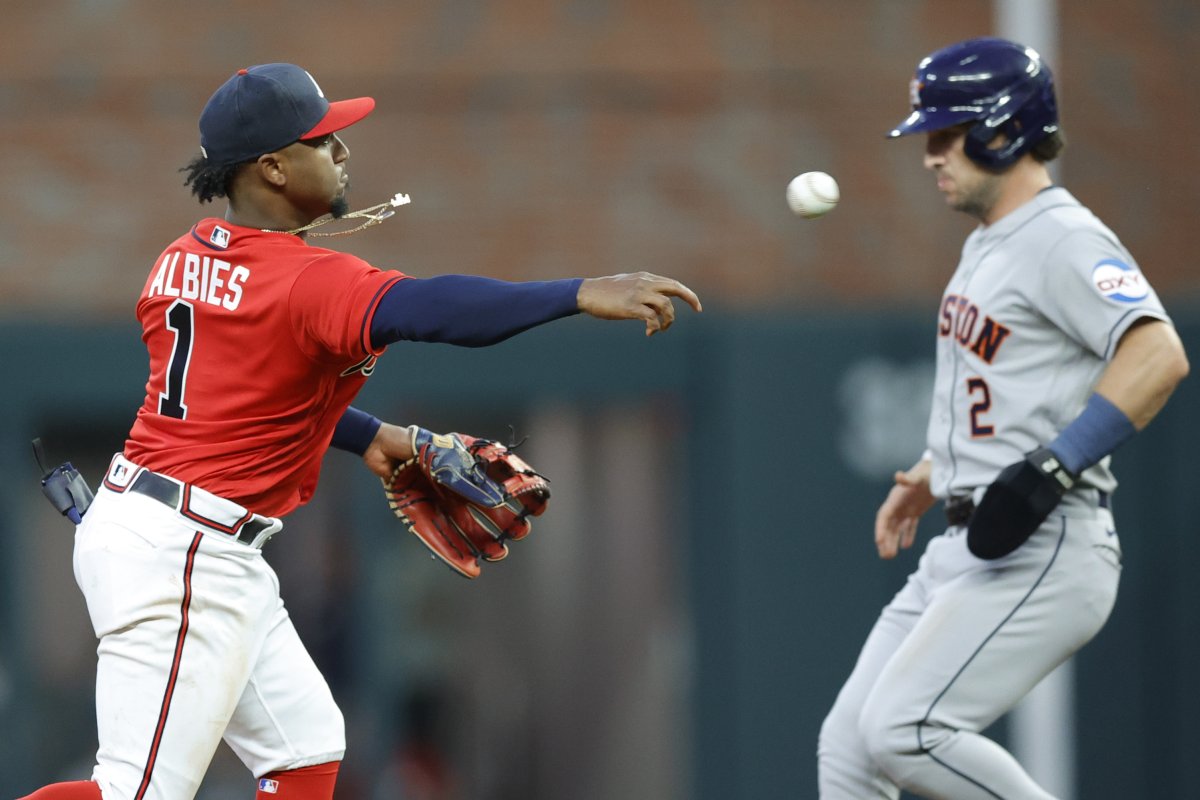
(258, 342)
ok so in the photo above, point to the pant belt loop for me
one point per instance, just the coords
(172, 493)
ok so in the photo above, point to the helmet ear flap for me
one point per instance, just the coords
(983, 133)
(1005, 118)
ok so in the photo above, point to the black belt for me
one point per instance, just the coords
(960, 509)
(169, 492)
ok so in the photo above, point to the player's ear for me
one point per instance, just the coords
(271, 167)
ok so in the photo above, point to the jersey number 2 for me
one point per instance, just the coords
(180, 321)
(980, 407)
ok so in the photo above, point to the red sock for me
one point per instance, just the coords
(307, 783)
(76, 790)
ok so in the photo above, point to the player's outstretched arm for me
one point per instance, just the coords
(471, 311)
(639, 295)
(896, 520)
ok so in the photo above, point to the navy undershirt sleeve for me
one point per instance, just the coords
(468, 310)
(355, 431)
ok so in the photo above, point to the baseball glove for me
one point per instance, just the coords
(465, 497)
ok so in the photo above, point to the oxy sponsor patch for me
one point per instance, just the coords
(1119, 281)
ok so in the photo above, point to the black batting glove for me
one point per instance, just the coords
(1017, 503)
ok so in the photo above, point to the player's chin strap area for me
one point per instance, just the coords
(374, 215)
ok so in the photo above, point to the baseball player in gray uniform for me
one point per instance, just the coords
(1052, 350)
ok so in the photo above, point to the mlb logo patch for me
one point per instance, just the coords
(219, 237)
(269, 786)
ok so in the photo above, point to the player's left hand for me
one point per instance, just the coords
(639, 295)
(1017, 503)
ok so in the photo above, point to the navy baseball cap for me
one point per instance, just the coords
(267, 107)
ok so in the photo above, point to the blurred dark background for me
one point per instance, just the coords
(682, 617)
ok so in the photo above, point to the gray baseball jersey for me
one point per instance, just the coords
(1033, 313)
(1027, 323)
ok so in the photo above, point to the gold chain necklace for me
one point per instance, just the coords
(374, 215)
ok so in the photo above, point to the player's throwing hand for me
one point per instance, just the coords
(639, 295)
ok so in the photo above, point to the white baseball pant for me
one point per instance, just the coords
(195, 643)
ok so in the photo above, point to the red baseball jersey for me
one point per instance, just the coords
(258, 342)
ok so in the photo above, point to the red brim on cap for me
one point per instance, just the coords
(342, 114)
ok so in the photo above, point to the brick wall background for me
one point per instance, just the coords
(578, 137)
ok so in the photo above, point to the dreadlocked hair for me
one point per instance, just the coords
(206, 181)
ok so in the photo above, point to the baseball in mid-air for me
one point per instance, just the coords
(812, 194)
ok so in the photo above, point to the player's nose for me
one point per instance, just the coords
(340, 151)
(935, 151)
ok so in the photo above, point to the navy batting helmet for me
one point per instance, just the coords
(1001, 86)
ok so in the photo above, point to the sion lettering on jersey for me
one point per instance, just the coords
(200, 278)
(961, 319)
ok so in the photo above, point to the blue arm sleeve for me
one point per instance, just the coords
(1100, 429)
(355, 431)
(468, 310)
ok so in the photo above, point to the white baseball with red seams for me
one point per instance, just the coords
(813, 194)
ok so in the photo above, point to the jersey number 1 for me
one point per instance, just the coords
(180, 321)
